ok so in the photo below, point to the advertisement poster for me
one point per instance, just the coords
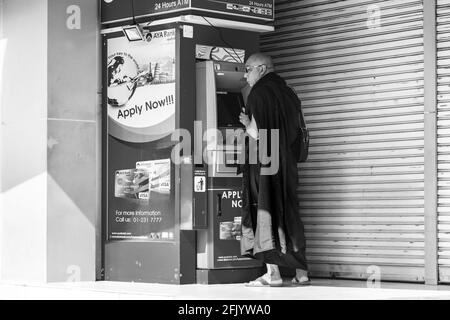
(228, 228)
(142, 203)
(141, 87)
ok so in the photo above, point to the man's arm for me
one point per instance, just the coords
(250, 125)
(252, 129)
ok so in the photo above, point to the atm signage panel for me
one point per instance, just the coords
(122, 10)
(257, 9)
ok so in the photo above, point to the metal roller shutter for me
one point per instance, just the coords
(362, 191)
(443, 27)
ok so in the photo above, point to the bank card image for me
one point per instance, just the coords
(159, 175)
(132, 184)
(231, 230)
(225, 230)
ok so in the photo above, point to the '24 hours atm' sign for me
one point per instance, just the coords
(121, 11)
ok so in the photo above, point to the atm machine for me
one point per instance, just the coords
(167, 221)
(220, 94)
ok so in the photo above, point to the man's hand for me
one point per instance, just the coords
(244, 119)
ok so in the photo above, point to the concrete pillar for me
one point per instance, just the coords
(49, 140)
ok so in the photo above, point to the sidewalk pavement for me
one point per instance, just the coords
(320, 289)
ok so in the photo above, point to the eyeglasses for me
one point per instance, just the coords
(248, 69)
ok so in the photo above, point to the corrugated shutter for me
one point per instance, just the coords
(362, 190)
(443, 27)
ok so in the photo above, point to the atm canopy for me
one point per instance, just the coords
(121, 12)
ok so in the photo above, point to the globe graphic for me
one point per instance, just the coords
(122, 72)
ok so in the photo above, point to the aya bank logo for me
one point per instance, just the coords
(140, 87)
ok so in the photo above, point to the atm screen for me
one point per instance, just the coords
(229, 105)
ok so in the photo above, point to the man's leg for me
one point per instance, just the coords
(301, 272)
(273, 272)
(271, 278)
(301, 278)
(301, 275)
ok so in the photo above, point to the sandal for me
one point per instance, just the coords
(297, 283)
(262, 282)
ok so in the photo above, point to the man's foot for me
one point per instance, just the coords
(265, 281)
(303, 281)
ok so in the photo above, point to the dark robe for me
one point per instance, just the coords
(274, 234)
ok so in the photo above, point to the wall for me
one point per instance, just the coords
(72, 153)
(50, 118)
(23, 137)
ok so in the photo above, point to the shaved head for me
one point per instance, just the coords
(261, 58)
(257, 66)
